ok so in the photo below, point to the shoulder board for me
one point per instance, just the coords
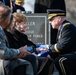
(65, 24)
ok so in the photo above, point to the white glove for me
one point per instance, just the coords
(45, 46)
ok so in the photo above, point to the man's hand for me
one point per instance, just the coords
(23, 52)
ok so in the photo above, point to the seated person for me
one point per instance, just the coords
(17, 39)
(20, 39)
(12, 55)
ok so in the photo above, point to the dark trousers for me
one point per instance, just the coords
(66, 64)
(32, 59)
(20, 70)
(45, 66)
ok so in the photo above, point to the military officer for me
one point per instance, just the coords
(64, 50)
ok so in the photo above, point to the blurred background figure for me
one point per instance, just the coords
(19, 2)
(6, 2)
(16, 7)
(41, 6)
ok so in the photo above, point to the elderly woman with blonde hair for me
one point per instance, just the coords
(19, 21)
(19, 39)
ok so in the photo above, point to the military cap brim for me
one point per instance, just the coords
(19, 0)
(55, 12)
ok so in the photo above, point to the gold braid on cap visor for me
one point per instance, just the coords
(55, 14)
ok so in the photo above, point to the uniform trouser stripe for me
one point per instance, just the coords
(62, 66)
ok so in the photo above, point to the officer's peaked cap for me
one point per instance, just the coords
(55, 12)
(19, 0)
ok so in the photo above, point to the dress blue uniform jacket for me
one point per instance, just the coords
(66, 39)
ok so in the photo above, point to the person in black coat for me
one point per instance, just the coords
(13, 5)
(17, 39)
(41, 6)
(17, 7)
(6, 2)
